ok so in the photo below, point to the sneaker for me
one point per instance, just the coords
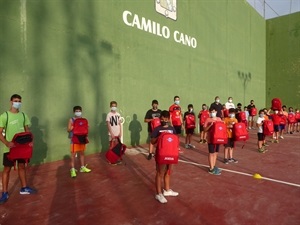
(291, 132)
(27, 191)
(73, 172)
(180, 151)
(233, 160)
(191, 146)
(261, 150)
(186, 146)
(161, 198)
(249, 128)
(4, 197)
(84, 169)
(204, 141)
(170, 192)
(281, 137)
(117, 163)
(201, 141)
(276, 141)
(226, 161)
(266, 145)
(149, 156)
(215, 171)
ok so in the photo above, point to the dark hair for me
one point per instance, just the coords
(212, 108)
(165, 114)
(176, 96)
(113, 102)
(204, 105)
(77, 107)
(239, 104)
(284, 106)
(260, 111)
(154, 102)
(190, 105)
(231, 110)
(15, 96)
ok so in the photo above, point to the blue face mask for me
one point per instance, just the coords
(16, 105)
(177, 102)
(113, 108)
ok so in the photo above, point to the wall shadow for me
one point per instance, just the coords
(245, 77)
(103, 131)
(135, 128)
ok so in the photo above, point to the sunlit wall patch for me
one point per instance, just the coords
(168, 8)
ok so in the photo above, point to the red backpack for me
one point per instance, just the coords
(203, 116)
(268, 127)
(297, 116)
(115, 152)
(242, 116)
(225, 113)
(253, 112)
(190, 122)
(22, 147)
(218, 133)
(167, 148)
(291, 118)
(155, 123)
(240, 132)
(80, 131)
(276, 104)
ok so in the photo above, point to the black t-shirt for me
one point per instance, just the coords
(160, 129)
(218, 107)
(187, 113)
(150, 114)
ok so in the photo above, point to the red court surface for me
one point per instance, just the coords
(124, 194)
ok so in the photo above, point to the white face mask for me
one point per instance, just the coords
(177, 102)
(78, 114)
(16, 105)
(213, 114)
(231, 115)
(217, 100)
(230, 100)
(276, 111)
(114, 108)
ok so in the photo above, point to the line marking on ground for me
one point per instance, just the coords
(245, 174)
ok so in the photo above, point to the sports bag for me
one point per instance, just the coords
(22, 147)
(167, 148)
(297, 116)
(253, 112)
(155, 123)
(115, 152)
(291, 118)
(190, 122)
(225, 113)
(240, 132)
(80, 131)
(268, 127)
(203, 116)
(218, 133)
(242, 116)
(276, 104)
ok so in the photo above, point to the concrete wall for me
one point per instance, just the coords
(283, 60)
(58, 54)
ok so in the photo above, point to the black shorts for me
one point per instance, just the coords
(213, 148)
(9, 163)
(260, 136)
(282, 126)
(189, 130)
(276, 128)
(230, 143)
(177, 129)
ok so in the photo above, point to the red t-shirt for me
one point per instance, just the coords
(175, 113)
(276, 118)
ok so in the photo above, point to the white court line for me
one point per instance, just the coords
(245, 174)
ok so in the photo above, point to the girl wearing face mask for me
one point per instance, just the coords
(203, 115)
(213, 149)
(228, 151)
(229, 104)
(189, 121)
(114, 125)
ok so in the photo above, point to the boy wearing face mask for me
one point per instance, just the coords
(189, 121)
(203, 115)
(218, 107)
(176, 117)
(151, 114)
(228, 151)
(229, 104)
(260, 132)
(76, 148)
(163, 171)
(13, 122)
(250, 107)
(113, 124)
(213, 149)
(276, 118)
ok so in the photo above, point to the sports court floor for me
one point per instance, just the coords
(124, 194)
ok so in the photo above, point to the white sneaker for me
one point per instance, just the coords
(249, 128)
(170, 192)
(191, 146)
(281, 137)
(161, 198)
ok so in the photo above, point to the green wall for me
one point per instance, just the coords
(58, 54)
(283, 60)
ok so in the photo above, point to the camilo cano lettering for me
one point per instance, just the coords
(141, 23)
